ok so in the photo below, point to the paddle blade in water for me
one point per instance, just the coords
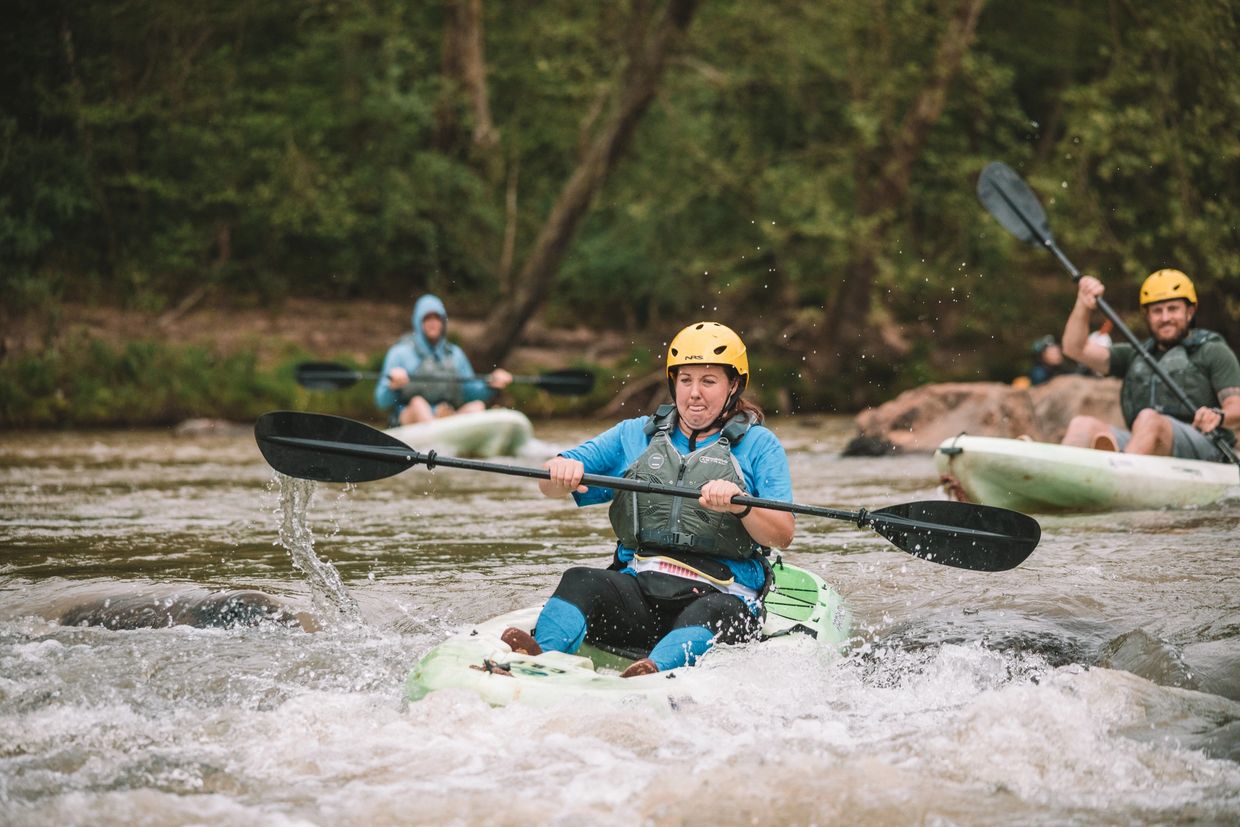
(313, 446)
(1008, 198)
(964, 535)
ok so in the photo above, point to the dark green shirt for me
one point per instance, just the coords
(1216, 358)
(1201, 366)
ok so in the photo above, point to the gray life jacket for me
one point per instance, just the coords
(658, 522)
(448, 389)
(1143, 389)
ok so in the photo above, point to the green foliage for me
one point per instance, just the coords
(1152, 158)
(85, 382)
(150, 150)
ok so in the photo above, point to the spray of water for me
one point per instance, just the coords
(332, 601)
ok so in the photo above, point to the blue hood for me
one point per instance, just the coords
(425, 306)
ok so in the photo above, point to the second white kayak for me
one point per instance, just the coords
(1040, 476)
(490, 433)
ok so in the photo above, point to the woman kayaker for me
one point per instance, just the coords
(425, 376)
(685, 575)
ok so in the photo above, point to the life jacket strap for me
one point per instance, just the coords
(658, 538)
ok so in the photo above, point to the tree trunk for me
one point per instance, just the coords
(847, 330)
(636, 89)
(464, 65)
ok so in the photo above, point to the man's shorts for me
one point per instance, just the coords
(1186, 442)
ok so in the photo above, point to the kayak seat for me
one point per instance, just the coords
(620, 651)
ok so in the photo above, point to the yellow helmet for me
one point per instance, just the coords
(708, 343)
(1167, 284)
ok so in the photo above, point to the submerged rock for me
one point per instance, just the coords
(1147, 657)
(918, 420)
(221, 610)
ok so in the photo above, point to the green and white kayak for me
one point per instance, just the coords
(1042, 477)
(490, 433)
(799, 604)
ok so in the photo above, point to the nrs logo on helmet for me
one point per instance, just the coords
(708, 343)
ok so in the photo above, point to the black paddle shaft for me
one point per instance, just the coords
(964, 535)
(1009, 199)
(332, 376)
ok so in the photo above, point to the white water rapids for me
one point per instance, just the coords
(1099, 683)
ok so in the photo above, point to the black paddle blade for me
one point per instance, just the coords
(326, 448)
(569, 382)
(1007, 197)
(964, 535)
(325, 376)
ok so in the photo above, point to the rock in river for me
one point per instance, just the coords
(918, 420)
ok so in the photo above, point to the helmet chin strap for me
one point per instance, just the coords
(719, 420)
(693, 435)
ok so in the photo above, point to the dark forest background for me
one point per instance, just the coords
(802, 171)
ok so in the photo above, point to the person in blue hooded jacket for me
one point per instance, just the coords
(425, 376)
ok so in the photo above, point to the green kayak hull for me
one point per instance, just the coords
(800, 605)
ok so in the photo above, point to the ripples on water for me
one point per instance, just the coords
(1097, 684)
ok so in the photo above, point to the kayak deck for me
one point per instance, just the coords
(1039, 476)
(489, 433)
(800, 604)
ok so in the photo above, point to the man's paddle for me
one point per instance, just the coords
(331, 376)
(1008, 198)
(333, 449)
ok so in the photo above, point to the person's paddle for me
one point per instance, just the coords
(331, 376)
(333, 449)
(1007, 197)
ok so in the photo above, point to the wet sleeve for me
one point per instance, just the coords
(1122, 355)
(607, 455)
(1223, 366)
(385, 397)
(767, 474)
(472, 389)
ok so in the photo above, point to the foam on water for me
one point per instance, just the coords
(950, 731)
(968, 699)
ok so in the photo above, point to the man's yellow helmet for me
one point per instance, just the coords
(1167, 284)
(708, 343)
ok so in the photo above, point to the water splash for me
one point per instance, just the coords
(332, 601)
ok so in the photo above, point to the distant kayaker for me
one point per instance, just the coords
(1048, 361)
(425, 376)
(1199, 361)
(686, 575)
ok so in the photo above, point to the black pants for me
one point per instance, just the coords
(632, 614)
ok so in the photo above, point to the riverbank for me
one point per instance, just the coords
(80, 366)
(352, 330)
(91, 366)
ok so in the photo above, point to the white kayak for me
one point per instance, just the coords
(490, 433)
(799, 605)
(1039, 476)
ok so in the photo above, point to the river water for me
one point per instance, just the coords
(1099, 683)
